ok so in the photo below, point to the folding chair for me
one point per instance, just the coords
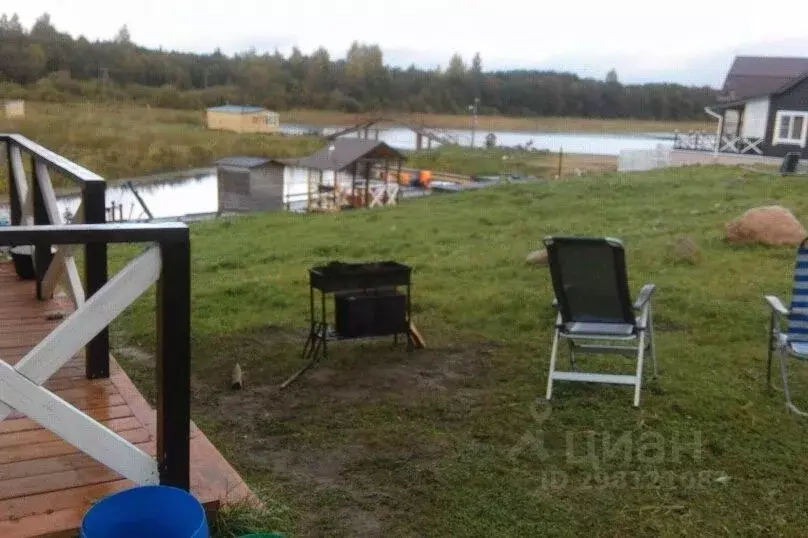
(594, 310)
(794, 341)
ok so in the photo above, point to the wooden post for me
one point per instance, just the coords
(398, 191)
(42, 250)
(560, 160)
(15, 215)
(336, 191)
(139, 199)
(386, 178)
(95, 276)
(308, 190)
(320, 190)
(367, 184)
(353, 183)
(174, 364)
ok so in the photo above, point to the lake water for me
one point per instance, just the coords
(193, 196)
(183, 196)
(197, 194)
(590, 143)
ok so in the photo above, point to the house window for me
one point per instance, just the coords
(790, 127)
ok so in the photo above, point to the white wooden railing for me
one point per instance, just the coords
(35, 221)
(21, 385)
(700, 141)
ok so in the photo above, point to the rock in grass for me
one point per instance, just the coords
(770, 225)
(538, 257)
(236, 378)
(686, 251)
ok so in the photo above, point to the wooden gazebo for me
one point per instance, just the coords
(339, 175)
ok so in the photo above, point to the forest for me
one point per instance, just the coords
(45, 64)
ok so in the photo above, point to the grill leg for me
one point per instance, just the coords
(314, 351)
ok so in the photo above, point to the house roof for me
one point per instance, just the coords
(758, 76)
(346, 152)
(247, 162)
(238, 109)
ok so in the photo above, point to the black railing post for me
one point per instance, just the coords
(13, 196)
(174, 363)
(95, 276)
(42, 251)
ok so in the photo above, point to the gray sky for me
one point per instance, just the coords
(686, 41)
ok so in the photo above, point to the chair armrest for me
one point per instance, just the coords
(776, 305)
(644, 296)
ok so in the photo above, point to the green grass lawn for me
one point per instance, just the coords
(378, 443)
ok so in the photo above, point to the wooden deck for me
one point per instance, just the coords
(46, 484)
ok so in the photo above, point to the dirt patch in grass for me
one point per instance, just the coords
(336, 438)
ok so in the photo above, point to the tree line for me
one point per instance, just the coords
(42, 63)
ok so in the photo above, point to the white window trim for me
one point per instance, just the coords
(776, 140)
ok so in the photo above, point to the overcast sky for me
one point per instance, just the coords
(685, 41)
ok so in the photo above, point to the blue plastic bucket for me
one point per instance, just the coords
(146, 511)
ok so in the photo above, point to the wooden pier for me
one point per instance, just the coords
(46, 484)
(422, 132)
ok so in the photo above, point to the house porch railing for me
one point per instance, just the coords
(701, 141)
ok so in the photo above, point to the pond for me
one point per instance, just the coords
(191, 197)
(196, 196)
(589, 143)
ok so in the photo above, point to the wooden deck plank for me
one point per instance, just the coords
(57, 448)
(102, 414)
(38, 436)
(46, 484)
(56, 464)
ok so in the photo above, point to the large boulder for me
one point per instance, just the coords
(770, 225)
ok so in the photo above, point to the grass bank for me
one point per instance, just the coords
(131, 141)
(127, 141)
(505, 123)
(374, 442)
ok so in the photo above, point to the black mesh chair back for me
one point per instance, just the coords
(590, 280)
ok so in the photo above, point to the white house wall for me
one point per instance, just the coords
(295, 183)
(755, 116)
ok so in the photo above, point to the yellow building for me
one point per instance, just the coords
(14, 108)
(243, 119)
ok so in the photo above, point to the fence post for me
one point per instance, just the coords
(95, 275)
(42, 251)
(174, 363)
(15, 209)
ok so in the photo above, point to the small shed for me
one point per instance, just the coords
(243, 119)
(14, 108)
(247, 184)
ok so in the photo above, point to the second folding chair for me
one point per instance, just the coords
(595, 313)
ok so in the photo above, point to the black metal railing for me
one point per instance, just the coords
(173, 321)
(93, 194)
